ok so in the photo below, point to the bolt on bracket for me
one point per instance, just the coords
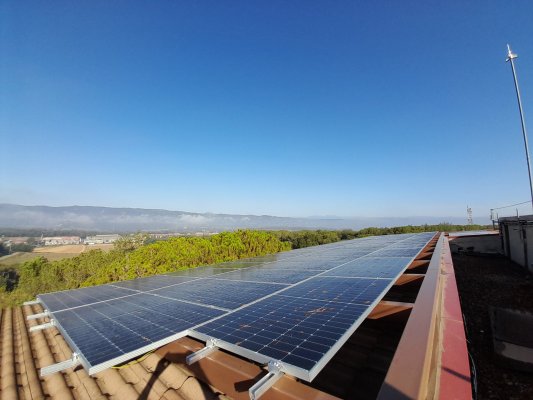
(210, 346)
(266, 382)
(43, 326)
(61, 366)
(39, 315)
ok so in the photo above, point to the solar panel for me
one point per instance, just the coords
(319, 265)
(398, 252)
(378, 267)
(80, 297)
(201, 272)
(260, 274)
(297, 307)
(355, 290)
(110, 332)
(298, 332)
(226, 294)
(151, 283)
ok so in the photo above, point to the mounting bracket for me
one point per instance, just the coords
(210, 346)
(43, 326)
(266, 382)
(40, 315)
(61, 366)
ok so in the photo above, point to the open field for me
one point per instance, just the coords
(52, 253)
(72, 248)
(18, 258)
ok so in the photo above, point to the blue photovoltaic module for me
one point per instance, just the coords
(303, 326)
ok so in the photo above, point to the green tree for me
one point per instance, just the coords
(3, 249)
(132, 242)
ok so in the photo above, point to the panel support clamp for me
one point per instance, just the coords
(40, 315)
(210, 346)
(50, 324)
(63, 365)
(266, 382)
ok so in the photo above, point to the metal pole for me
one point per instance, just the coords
(511, 57)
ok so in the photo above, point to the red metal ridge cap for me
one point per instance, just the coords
(455, 379)
(431, 360)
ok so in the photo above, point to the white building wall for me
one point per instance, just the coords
(517, 241)
(516, 245)
(529, 239)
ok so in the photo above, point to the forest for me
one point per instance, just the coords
(132, 257)
(305, 238)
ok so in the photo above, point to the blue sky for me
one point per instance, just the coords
(346, 108)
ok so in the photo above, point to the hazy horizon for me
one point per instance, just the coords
(135, 219)
(222, 213)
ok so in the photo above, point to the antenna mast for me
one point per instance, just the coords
(510, 58)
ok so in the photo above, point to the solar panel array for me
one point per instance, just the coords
(296, 307)
(304, 325)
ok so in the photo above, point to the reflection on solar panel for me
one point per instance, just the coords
(221, 293)
(76, 298)
(378, 267)
(151, 283)
(398, 252)
(296, 307)
(260, 274)
(358, 290)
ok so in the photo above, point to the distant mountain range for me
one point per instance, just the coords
(108, 219)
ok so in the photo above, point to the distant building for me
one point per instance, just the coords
(101, 239)
(14, 240)
(59, 240)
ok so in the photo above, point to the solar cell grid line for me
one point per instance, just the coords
(302, 334)
(284, 276)
(75, 298)
(338, 289)
(201, 272)
(310, 265)
(108, 333)
(243, 340)
(226, 294)
(368, 267)
(65, 299)
(411, 252)
(297, 332)
(151, 283)
(242, 280)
